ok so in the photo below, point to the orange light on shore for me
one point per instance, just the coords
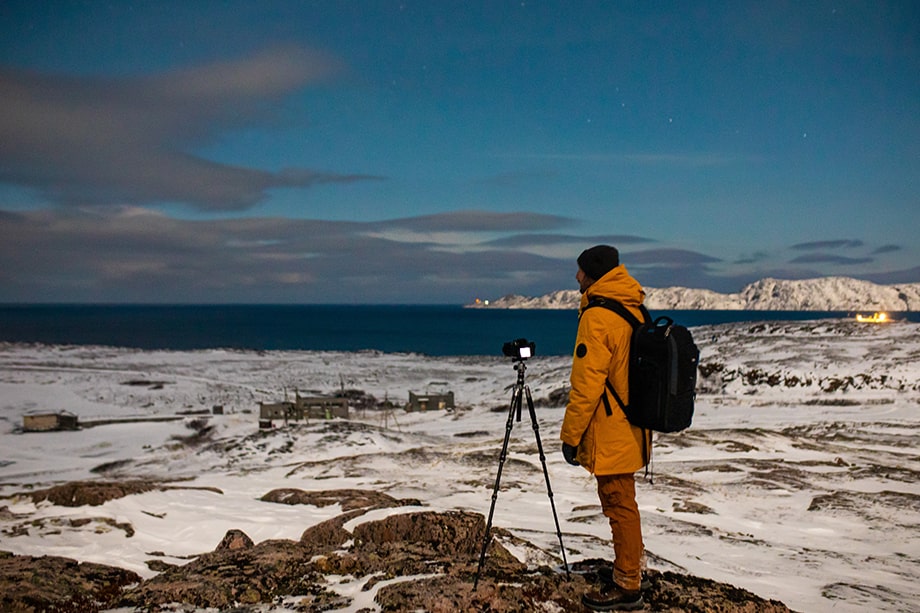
(875, 318)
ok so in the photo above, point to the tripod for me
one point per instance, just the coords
(514, 409)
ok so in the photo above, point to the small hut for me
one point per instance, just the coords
(48, 421)
(276, 410)
(320, 407)
(430, 402)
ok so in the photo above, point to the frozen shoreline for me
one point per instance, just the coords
(797, 481)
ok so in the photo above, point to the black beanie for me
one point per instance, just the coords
(598, 261)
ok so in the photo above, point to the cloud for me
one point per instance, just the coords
(477, 221)
(671, 257)
(131, 254)
(92, 140)
(543, 240)
(668, 267)
(886, 249)
(828, 258)
(909, 275)
(134, 254)
(754, 258)
(835, 244)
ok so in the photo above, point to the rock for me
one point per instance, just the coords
(235, 539)
(330, 534)
(456, 533)
(48, 583)
(348, 499)
(95, 493)
(226, 576)
(159, 566)
(422, 560)
(673, 592)
(92, 493)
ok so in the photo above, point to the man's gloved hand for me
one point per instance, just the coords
(569, 452)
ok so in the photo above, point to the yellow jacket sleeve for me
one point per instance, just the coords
(590, 366)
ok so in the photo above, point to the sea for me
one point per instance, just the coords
(435, 330)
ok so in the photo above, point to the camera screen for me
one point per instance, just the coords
(525, 352)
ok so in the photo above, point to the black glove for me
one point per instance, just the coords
(569, 452)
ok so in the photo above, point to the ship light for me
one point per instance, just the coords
(875, 318)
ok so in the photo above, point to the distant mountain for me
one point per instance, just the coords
(823, 294)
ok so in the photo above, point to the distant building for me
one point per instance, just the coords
(320, 407)
(303, 408)
(276, 410)
(49, 421)
(430, 402)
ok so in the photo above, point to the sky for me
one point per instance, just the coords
(437, 152)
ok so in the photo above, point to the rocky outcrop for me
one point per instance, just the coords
(821, 294)
(91, 493)
(409, 560)
(349, 499)
(35, 584)
(95, 493)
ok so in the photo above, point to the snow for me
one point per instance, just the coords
(822, 294)
(798, 479)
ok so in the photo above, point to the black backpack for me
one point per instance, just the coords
(663, 362)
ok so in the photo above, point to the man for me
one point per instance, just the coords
(603, 442)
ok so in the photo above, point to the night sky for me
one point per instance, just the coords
(435, 152)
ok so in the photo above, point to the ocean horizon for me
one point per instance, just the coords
(437, 330)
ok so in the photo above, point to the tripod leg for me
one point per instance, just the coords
(515, 406)
(549, 489)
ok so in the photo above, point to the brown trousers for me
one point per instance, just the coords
(617, 494)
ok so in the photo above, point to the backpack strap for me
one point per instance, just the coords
(617, 307)
(616, 397)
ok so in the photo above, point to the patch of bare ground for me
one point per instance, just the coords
(413, 560)
(872, 505)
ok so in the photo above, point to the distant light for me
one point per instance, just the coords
(875, 318)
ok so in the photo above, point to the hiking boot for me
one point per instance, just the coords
(605, 576)
(613, 598)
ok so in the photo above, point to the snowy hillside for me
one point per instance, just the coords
(798, 480)
(823, 294)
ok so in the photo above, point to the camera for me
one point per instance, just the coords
(519, 349)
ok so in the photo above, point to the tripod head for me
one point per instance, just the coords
(519, 349)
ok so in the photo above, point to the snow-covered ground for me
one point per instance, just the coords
(798, 479)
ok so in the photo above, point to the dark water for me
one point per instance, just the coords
(431, 330)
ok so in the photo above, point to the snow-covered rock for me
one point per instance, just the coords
(822, 294)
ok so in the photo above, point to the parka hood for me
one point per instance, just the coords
(617, 285)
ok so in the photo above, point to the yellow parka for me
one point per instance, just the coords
(607, 444)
